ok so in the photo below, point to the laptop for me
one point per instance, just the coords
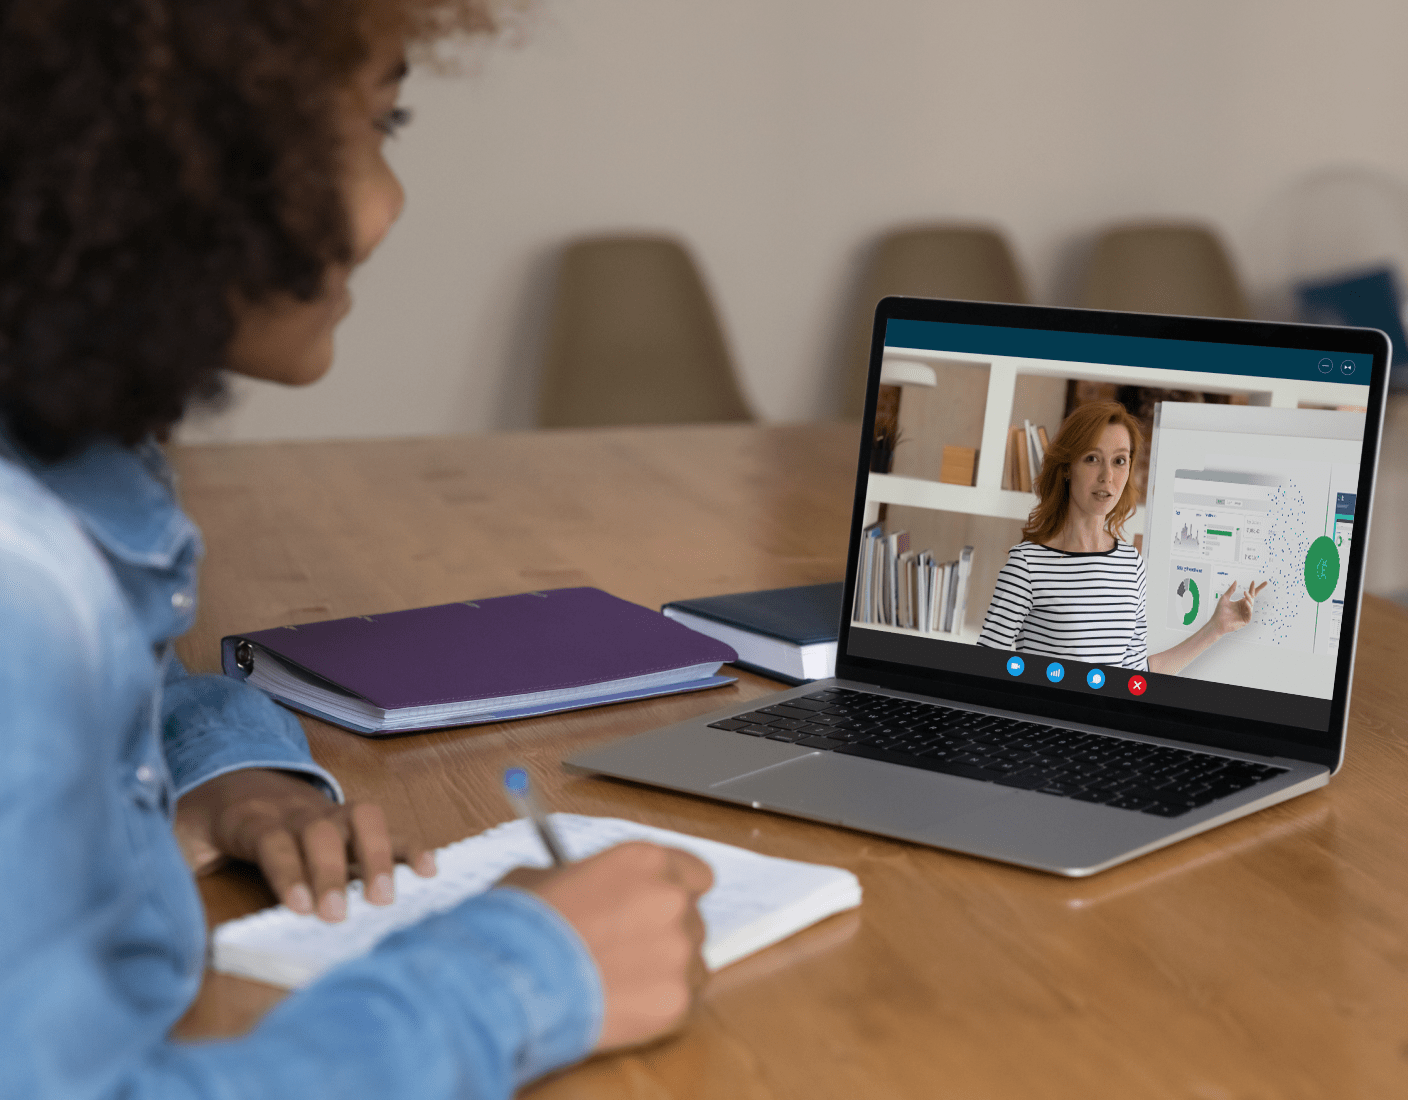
(1056, 708)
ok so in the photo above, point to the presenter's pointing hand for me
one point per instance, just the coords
(636, 908)
(1234, 612)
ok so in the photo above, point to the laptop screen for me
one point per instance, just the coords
(1145, 522)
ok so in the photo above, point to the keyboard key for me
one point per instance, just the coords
(819, 742)
(1166, 809)
(782, 710)
(1065, 788)
(755, 716)
(728, 724)
(1026, 781)
(755, 730)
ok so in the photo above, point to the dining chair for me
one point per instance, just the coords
(633, 338)
(971, 262)
(1163, 267)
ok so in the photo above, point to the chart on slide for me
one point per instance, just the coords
(1236, 522)
(1252, 496)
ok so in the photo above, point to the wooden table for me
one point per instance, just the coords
(1266, 959)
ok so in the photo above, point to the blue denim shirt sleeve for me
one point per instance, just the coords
(473, 1003)
(102, 938)
(212, 725)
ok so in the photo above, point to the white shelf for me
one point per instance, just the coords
(972, 500)
(919, 492)
(969, 635)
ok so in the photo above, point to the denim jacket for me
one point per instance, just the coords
(102, 936)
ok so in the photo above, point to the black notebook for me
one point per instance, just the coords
(785, 633)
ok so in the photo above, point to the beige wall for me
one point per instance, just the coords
(780, 136)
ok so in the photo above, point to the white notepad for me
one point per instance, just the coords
(756, 900)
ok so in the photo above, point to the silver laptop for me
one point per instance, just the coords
(1103, 583)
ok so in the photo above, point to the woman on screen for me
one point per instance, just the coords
(1072, 587)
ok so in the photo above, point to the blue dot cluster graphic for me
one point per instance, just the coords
(1280, 611)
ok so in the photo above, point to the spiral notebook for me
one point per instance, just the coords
(756, 900)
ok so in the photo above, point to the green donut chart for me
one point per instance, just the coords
(1192, 611)
(1322, 569)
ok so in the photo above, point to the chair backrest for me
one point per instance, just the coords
(1163, 268)
(970, 262)
(633, 339)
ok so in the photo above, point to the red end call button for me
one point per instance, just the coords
(1138, 685)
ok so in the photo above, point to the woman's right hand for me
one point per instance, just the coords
(636, 908)
(1233, 612)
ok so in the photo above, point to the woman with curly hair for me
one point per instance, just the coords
(185, 186)
(1071, 588)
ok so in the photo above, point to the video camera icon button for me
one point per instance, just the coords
(1138, 685)
(1015, 665)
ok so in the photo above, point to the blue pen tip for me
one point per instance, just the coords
(516, 780)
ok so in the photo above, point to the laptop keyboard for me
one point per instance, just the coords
(1090, 767)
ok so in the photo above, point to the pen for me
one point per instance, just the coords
(521, 796)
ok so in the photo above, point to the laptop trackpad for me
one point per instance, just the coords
(860, 793)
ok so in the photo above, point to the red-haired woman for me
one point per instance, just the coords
(1072, 587)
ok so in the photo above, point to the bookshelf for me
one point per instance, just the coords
(1004, 376)
(969, 635)
(974, 500)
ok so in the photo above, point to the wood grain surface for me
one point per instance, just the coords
(1266, 959)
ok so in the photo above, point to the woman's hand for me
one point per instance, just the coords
(1232, 613)
(306, 845)
(636, 908)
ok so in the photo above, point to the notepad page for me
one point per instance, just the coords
(756, 900)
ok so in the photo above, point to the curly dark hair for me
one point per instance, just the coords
(158, 159)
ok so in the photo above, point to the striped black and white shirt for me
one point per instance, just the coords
(1087, 607)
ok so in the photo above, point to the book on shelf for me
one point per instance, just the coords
(895, 545)
(1026, 451)
(755, 901)
(476, 661)
(1011, 479)
(1035, 450)
(786, 633)
(866, 569)
(959, 465)
(925, 595)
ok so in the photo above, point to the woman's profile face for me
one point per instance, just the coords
(291, 341)
(1098, 477)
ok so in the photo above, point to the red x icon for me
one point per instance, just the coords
(1138, 685)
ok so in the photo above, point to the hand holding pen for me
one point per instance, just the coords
(635, 907)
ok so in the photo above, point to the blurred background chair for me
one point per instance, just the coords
(1163, 268)
(973, 263)
(633, 339)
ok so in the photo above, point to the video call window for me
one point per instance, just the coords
(1239, 479)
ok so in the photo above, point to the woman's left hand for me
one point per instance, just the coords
(306, 845)
(1233, 613)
